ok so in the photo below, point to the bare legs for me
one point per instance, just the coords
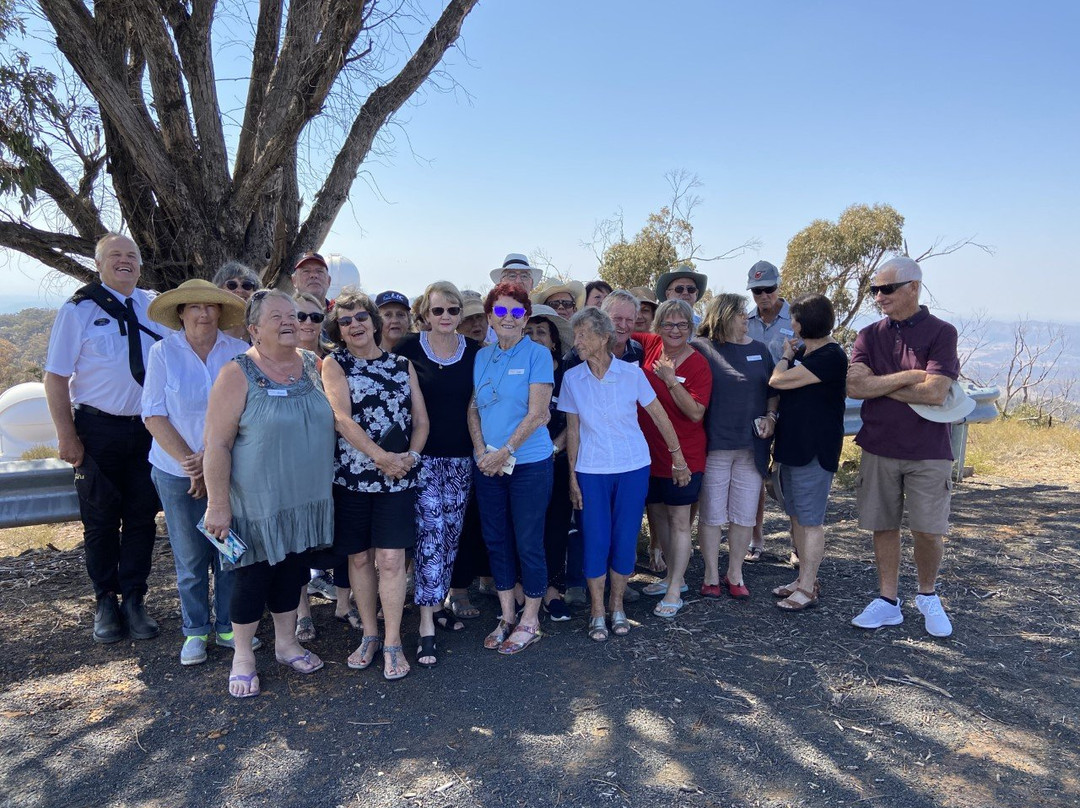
(928, 552)
(389, 585)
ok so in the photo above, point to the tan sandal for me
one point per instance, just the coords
(788, 590)
(789, 605)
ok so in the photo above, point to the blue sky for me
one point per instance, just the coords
(962, 115)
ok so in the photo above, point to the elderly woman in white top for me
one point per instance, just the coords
(609, 460)
(179, 374)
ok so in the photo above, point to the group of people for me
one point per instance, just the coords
(517, 437)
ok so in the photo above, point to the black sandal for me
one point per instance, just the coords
(446, 621)
(427, 649)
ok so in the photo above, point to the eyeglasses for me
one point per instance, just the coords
(886, 288)
(247, 286)
(561, 304)
(685, 290)
(501, 311)
(453, 311)
(684, 326)
(360, 317)
(510, 275)
(315, 316)
(764, 290)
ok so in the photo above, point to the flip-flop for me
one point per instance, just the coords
(364, 662)
(509, 647)
(246, 678)
(667, 610)
(753, 555)
(301, 663)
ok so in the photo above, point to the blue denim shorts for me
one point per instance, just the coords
(806, 492)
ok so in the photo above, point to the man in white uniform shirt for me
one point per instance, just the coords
(97, 358)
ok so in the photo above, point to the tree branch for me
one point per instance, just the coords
(380, 105)
(51, 249)
(264, 58)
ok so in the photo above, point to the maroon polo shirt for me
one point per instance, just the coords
(891, 428)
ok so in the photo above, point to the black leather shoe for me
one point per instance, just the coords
(108, 623)
(141, 626)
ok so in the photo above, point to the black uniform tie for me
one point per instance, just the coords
(135, 360)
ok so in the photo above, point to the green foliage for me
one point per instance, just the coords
(24, 342)
(651, 253)
(838, 259)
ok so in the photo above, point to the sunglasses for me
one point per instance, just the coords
(886, 288)
(685, 290)
(516, 312)
(764, 290)
(453, 311)
(315, 316)
(561, 304)
(675, 326)
(247, 286)
(360, 317)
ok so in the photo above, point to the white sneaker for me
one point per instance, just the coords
(879, 613)
(937, 622)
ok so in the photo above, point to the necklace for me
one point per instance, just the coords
(276, 369)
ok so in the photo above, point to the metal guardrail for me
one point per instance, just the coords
(38, 492)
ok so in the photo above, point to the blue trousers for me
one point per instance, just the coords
(611, 519)
(194, 556)
(512, 509)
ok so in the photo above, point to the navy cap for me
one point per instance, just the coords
(386, 298)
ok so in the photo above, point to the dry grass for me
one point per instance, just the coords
(39, 452)
(17, 540)
(1025, 452)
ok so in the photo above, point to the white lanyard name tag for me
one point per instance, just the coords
(274, 391)
(787, 331)
(516, 372)
(754, 358)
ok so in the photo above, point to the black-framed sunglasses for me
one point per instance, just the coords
(453, 311)
(562, 304)
(685, 290)
(315, 316)
(886, 288)
(764, 290)
(501, 311)
(247, 286)
(360, 317)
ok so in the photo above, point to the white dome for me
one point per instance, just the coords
(343, 272)
(24, 420)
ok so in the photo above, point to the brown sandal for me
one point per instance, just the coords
(789, 605)
(496, 638)
(788, 590)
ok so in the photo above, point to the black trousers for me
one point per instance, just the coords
(472, 557)
(117, 502)
(260, 586)
(557, 523)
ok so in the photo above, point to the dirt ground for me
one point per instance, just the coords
(731, 704)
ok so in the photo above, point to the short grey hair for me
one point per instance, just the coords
(674, 305)
(234, 269)
(258, 300)
(597, 321)
(906, 269)
(99, 248)
(620, 295)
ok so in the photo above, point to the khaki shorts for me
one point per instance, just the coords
(885, 483)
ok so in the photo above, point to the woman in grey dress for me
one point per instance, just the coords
(268, 465)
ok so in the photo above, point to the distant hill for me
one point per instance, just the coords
(989, 364)
(24, 342)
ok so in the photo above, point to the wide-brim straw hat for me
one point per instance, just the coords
(576, 290)
(471, 306)
(517, 261)
(562, 325)
(163, 308)
(665, 280)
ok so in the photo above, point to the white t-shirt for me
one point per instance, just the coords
(611, 441)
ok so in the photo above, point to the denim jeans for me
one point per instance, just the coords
(512, 509)
(194, 557)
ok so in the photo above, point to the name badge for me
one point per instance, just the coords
(516, 372)
(277, 393)
(101, 321)
(787, 332)
(754, 358)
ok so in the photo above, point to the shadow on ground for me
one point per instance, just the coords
(731, 704)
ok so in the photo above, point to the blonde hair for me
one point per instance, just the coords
(444, 288)
(721, 313)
